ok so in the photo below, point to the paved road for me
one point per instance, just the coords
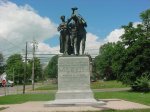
(16, 89)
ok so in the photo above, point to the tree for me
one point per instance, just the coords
(1, 59)
(118, 59)
(137, 57)
(128, 60)
(103, 62)
(2, 66)
(136, 62)
(145, 16)
(15, 68)
(51, 69)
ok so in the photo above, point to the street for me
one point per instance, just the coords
(17, 89)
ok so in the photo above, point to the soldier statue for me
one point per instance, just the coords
(72, 34)
(64, 36)
(78, 32)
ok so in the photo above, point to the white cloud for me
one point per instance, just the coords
(46, 49)
(136, 23)
(45, 52)
(114, 36)
(19, 24)
(93, 44)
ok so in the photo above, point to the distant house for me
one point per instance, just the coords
(3, 76)
(8, 82)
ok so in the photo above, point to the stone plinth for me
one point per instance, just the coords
(73, 82)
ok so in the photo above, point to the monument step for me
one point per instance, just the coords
(74, 102)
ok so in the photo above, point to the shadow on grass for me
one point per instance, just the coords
(2, 108)
(134, 110)
(133, 91)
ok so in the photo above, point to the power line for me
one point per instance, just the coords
(10, 42)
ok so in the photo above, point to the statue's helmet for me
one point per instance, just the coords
(62, 17)
(74, 8)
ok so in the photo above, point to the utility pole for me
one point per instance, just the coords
(42, 74)
(33, 63)
(25, 70)
(14, 75)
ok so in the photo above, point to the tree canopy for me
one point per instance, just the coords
(2, 66)
(15, 68)
(51, 69)
(129, 59)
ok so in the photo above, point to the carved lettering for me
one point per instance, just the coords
(73, 73)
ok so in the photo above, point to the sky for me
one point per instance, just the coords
(25, 20)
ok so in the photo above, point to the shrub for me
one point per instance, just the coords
(142, 84)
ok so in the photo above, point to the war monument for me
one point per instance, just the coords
(73, 67)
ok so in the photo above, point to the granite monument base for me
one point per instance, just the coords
(74, 82)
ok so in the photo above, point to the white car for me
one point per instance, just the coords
(10, 83)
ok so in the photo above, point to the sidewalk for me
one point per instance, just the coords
(115, 104)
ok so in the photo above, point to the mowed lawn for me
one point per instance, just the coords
(134, 110)
(21, 98)
(143, 98)
(107, 84)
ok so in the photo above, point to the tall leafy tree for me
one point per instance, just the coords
(145, 16)
(129, 59)
(118, 59)
(15, 67)
(1, 63)
(51, 69)
(137, 57)
(103, 62)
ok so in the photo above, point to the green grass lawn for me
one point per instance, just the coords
(143, 98)
(48, 87)
(21, 98)
(107, 84)
(94, 85)
(135, 110)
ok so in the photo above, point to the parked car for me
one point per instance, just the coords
(9, 83)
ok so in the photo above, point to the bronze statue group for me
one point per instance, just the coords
(72, 34)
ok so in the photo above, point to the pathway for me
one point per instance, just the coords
(116, 104)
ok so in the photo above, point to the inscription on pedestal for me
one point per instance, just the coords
(73, 73)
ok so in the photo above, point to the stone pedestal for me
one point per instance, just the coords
(73, 82)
